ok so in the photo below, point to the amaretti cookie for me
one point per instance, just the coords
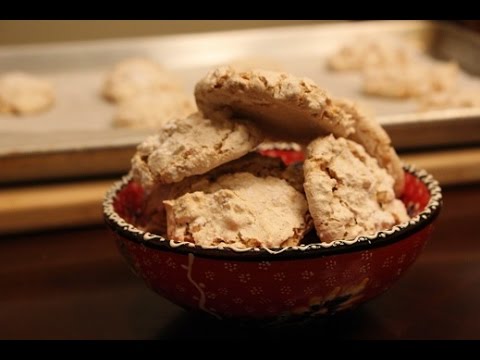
(377, 143)
(348, 193)
(253, 163)
(282, 105)
(191, 146)
(240, 210)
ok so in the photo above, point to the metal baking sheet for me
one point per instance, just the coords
(76, 137)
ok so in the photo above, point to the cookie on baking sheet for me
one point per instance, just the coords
(150, 110)
(283, 105)
(23, 94)
(132, 76)
(191, 146)
(461, 98)
(371, 135)
(240, 210)
(364, 52)
(410, 80)
(348, 193)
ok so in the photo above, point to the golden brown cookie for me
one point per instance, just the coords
(282, 105)
(253, 163)
(240, 210)
(348, 193)
(191, 146)
(371, 135)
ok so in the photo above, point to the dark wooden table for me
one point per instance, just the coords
(73, 284)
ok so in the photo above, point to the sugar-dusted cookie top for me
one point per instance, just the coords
(240, 210)
(191, 146)
(282, 105)
(348, 193)
(22, 94)
(150, 110)
(132, 76)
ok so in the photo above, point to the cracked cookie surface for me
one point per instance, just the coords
(253, 163)
(240, 210)
(348, 193)
(191, 146)
(285, 106)
(371, 135)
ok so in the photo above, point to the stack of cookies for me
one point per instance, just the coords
(206, 184)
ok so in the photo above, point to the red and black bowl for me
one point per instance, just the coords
(274, 285)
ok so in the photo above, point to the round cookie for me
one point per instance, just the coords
(23, 94)
(348, 193)
(192, 146)
(371, 135)
(132, 76)
(240, 210)
(410, 80)
(364, 52)
(283, 105)
(152, 109)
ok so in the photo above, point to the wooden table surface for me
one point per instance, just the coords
(73, 284)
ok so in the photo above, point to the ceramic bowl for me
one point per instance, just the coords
(274, 285)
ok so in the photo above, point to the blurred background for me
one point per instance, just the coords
(41, 31)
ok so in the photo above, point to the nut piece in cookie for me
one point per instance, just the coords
(152, 109)
(132, 76)
(371, 135)
(24, 94)
(410, 80)
(191, 146)
(361, 53)
(348, 193)
(240, 210)
(286, 107)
